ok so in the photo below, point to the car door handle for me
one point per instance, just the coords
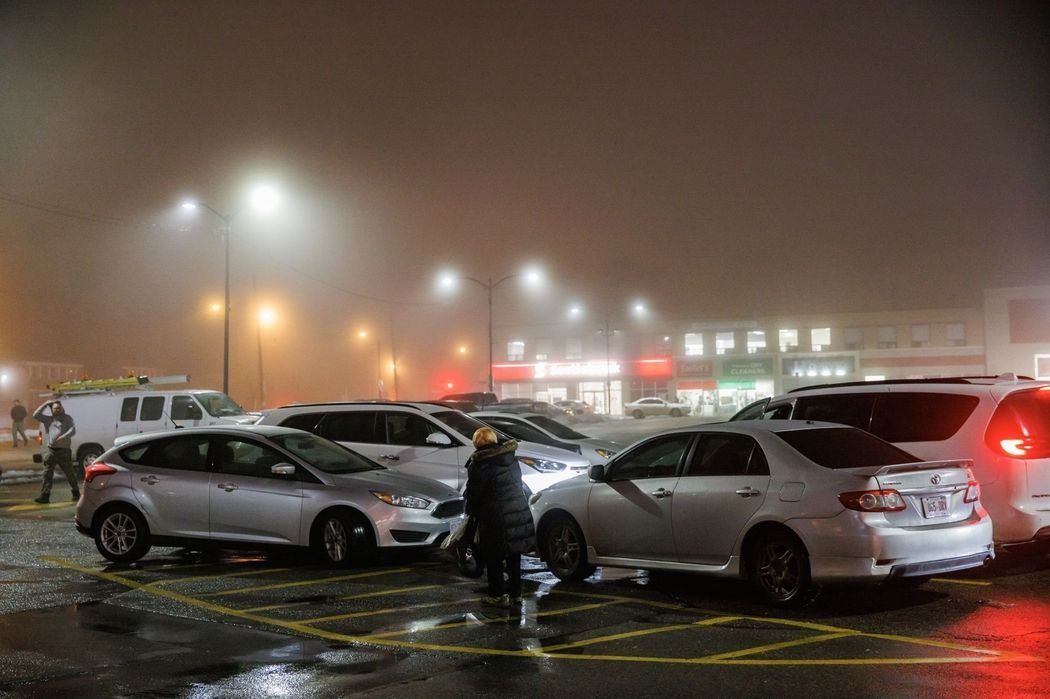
(661, 493)
(748, 492)
(149, 479)
(389, 457)
(228, 487)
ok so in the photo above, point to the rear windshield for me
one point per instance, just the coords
(554, 427)
(920, 417)
(844, 447)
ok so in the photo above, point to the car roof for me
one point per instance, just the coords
(422, 406)
(971, 385)
(224, 429)
(502, 413)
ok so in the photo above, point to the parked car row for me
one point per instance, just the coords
(886, 481)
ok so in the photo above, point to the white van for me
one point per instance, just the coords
(102, 416)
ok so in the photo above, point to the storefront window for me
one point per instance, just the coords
(920, 335)
(756, 341)
(515, 351)
(725, 343)
(853, 338)
(887, 337)
(820, 338)
(955, 334)
(694, 344)
(573, 348)
(789, 340)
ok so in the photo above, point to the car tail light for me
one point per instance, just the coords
(98, 469)
(973, 492)
(1025, 447)
(873, 501)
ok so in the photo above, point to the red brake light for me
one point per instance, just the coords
(1025, 447)
(873, 501)
(97, 469)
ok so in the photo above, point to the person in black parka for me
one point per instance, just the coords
(495, 498)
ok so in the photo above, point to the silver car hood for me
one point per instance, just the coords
(403, 483)
(543, 451)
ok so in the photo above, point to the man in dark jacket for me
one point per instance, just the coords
(496, 499)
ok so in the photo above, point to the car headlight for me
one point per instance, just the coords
(542, 465)
(604, 453)
(396, 500)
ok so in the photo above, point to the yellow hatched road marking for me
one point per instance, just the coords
(345, 598)
(981, 655)
(980, 583)
(305, 583)
(217, 576)
(37, 506)
(632, 634)
(780, 646)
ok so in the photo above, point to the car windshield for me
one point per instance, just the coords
(845, 447)
(325, 455)
(219, 404)
(556, 428)
(460, 422)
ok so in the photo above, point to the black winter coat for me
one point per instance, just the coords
(496, 499)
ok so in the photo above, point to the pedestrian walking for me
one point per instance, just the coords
(58, 448)
(18, 423)
(496, 499)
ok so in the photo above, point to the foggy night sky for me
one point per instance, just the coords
(721, 160)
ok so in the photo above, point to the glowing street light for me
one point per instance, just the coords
(263, 198)
(449, 281)
(363, 335)
(266, 317)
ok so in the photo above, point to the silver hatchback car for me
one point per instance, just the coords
(785, 504)
(256, 486)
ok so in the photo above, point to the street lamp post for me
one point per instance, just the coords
(265, 198)
(489, 286)
(639, 310)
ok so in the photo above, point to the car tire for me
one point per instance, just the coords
(637, 414)
(343, 538)
(779, 569)
(121, 534)
(565, 550)
(87, 455)
(675, 412)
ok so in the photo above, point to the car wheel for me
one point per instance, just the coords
(779, 568)
(121, 534)
(88, 454)
(565, 550)
(675, 412)
(637, 414)
(343, 538)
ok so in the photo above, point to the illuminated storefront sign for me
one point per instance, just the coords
(744, 368)
(695, 368)
(820, 366)
(656, 368)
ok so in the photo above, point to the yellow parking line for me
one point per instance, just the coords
(344, 598)
(780, 646)
(631, 634)
(304, 583)
(981, 655)
(36, 506)
(980, 583)
(220, 576)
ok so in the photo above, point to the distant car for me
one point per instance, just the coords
(481, 399)
(528, 405)
(533, 427)
(785, 504)
(646, 407)
(256, 486)
(576, 407)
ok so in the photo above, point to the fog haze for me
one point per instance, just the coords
(720, 160)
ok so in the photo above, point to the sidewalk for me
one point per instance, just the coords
(16, 463)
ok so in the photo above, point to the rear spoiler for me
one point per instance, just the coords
(924, 466)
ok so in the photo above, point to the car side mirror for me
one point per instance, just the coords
(597, 472)
(439, 439)
(282, 469)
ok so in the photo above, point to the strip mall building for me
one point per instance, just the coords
(720, 366)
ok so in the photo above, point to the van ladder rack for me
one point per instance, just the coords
(122, 383)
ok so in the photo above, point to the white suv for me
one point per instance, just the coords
(424, 439)
(1001, 423)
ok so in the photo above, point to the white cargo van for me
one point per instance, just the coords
(102, 416)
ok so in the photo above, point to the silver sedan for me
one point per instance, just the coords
(256, 486)
(785, 504)
(646, 407)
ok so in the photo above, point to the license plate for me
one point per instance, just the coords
(453, 524)
(935, 506)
